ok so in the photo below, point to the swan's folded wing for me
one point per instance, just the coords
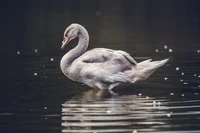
(107, 77)
(100, 55)
(118, 77)
(127, 56)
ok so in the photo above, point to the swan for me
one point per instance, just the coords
(102, 68)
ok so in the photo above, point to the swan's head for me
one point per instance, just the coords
(70, 33)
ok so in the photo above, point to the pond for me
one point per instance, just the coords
(36, 97)
(44, 100)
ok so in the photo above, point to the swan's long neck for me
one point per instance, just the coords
(73, 54)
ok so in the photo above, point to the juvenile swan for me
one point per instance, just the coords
(100, 67)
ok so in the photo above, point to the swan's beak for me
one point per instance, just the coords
(65, 42)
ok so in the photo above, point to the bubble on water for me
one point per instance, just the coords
(157, 50)
(98, 13)
(140, 94)
(195, 74)
(185, 83)
(198, 51)
(177, 68)
(45, 107)
(168, 115)
(18, 52)
(35, 74)
(165, 78)
(183, 95)
(171, 94)
(109, 111)
(165, 47)
(182, 73)
(170, 50)
(181, 80)
(52, 59)
(134, 131)
(36, 50)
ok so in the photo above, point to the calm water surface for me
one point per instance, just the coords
(36, 97)
(39, 98)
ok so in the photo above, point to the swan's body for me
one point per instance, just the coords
(102, 68)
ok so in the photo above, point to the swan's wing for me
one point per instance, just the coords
(127, 56)
(106, 65)
(100, 55)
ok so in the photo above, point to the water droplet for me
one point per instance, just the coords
(140, 94)
(195, 74)
(183, 95)
(52, 59)
(196, 93)
(45, 118)
(165, 78)
(181, 80)
(157, 50)
(177, 68)
(134, 131)
(154, 102)
(109, 111)
(182, 73)
(170, 50)
(147, 97)
(18, 52)
(198, 51)
(199, 76)
(97, 13)
(45, 107)
(168, 115)
(159, 103)
(35, 74)
(199, 86)
(185, 83)
(36, 50)
(171, 94)
(165, 47)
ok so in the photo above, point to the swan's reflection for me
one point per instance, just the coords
(98, 111)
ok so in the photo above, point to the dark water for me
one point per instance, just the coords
(48, 102)
(36, 97)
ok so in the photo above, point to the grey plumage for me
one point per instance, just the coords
(100, 67)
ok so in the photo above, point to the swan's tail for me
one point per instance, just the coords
(147, 68)
(152, 65)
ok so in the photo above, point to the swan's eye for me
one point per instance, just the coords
(67, 33)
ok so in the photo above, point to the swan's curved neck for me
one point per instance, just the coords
(73, 54)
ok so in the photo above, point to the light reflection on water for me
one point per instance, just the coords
(97, 111)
